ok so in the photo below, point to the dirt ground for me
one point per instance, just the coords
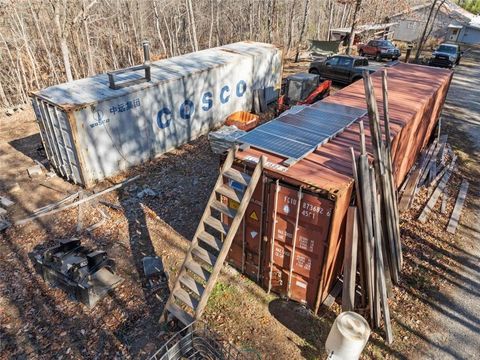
(38, 322)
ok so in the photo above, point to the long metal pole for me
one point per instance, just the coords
(272, 240)
(294, 242)
(261, 229)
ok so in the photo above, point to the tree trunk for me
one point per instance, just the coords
(24, 77)
(63, 38)
(212, 18)
(53, 69)
(136, 40)
(169, 34)
(358, 3)
(192, 24)
(217, 25)
(157, 26)
(23, 34)
(114, 56)
(305, 15)
(18, 81)
(433, 20)
(290, 17)
(422, 38)
(90, 63)
(344, 13)
(330, 21)
(250, 20)
(5, 102)
(269, 21)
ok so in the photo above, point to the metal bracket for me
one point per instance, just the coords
(146, 66)
(118, 85)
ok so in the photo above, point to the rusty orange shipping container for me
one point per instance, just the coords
(306, 203)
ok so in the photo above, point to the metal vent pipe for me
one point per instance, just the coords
(146, 57)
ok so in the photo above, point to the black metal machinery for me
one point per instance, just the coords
(84, 274)
(302, 89)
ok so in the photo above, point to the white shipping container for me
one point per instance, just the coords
(91, 131)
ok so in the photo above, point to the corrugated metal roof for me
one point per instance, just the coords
(96, 88)
(447, 7)
(329, 167)
(362, 28)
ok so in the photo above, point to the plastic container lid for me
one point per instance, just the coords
(348, 336)
(352, 325)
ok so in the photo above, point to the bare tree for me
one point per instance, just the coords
(304, 21)
(60, 21)
(157, 27)
(358, 3)
(422, 38)
(83, 17)
(191, 17)
(48, 42)
(442, 2)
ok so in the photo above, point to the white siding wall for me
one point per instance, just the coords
(469, 35)
(410, 26)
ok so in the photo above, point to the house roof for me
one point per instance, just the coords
(448, 8)
(363, 28)
(473, 25)
(475, 21)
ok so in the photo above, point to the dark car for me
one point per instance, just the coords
(446, 55)
(379, 49)
(342, 68)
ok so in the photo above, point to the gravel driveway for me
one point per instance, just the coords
(455, 323)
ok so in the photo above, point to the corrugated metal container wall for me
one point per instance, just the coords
(416, 97)
(91, 131)
(309, 217)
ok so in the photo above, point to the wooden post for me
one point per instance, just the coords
(380, 176)
(443, 207)
(368, 245)
(425, 163)
(393, 188)
(364, 268)
(433, 199)
(386, 113)
(457, 210)
(379, 267)
(80, 212)
(350, 261)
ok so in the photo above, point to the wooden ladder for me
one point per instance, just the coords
(211, 242)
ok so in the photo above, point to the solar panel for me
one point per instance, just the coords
(298, 133)
(277, 144)
(339, 109)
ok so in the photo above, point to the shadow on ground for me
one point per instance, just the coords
(30, 146)
(312, 329)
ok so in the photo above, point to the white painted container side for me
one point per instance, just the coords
(91, 131)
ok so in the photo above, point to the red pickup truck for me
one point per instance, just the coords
(379, 49)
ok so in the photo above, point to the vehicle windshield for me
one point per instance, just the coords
(385, 43)
(447, 49)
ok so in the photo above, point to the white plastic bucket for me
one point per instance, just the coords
(348, 336)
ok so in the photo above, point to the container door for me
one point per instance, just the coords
(246, 252)
(56, 135)
(298, 227)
